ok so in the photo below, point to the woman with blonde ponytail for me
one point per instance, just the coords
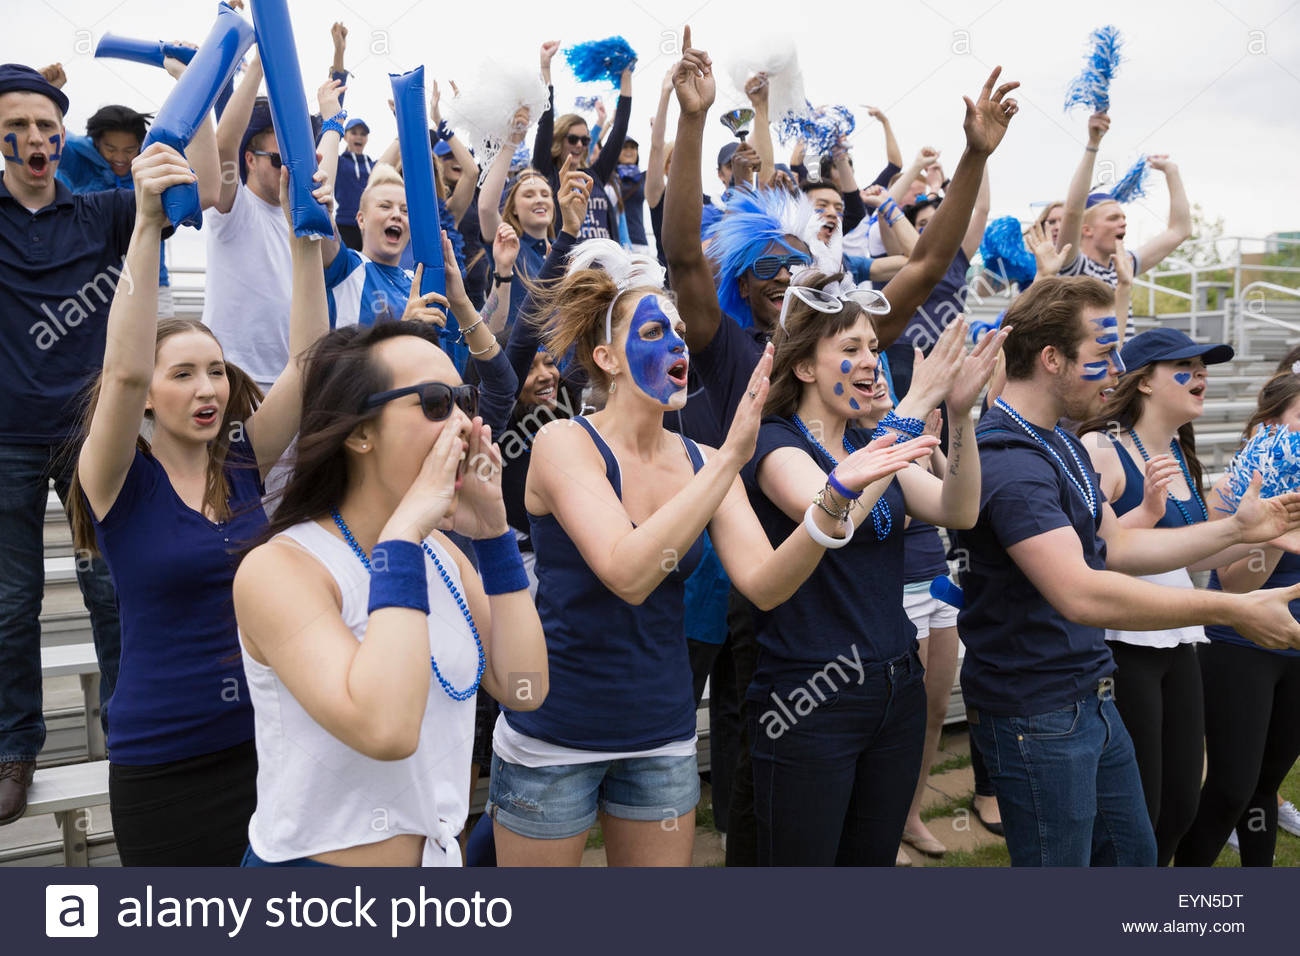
(617, 508)
(169, 515)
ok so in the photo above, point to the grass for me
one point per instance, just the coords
(958, 762)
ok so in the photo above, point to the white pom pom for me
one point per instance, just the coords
(776, 56)
(484, 109)
(627, 269)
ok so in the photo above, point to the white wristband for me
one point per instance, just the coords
(825, 540)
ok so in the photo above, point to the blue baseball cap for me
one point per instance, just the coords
(1168, 345)
(442, 149)
(355, 122)
(725, 154)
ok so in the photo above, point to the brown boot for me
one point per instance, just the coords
(15, 778)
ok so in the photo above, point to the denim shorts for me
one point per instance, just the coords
(553, 803)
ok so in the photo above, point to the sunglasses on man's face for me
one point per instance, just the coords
(575, 140)
(276, 162)
(766, 267)
(436, 399)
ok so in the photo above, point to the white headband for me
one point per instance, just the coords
(625, 268)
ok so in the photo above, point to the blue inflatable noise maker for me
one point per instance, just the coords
(943, 589)
(148, 52)
(422, 197)
(210, 69)
(289, 115)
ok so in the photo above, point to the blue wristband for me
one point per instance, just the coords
(397, 576)
(500, 564)
(335, 123)
(839, 489)
(445, 132)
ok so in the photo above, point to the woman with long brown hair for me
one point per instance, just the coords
(838, 704)
(168, 514)
(1144, 449)
(617, 506)
(1252, 695)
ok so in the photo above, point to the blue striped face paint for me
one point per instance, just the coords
(656, 355)
(1095, 371)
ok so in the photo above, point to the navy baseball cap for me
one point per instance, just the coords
(1167, 345)
(442, 149)
(258, 120)
(16, 78)
(725, 154)
(354, 123)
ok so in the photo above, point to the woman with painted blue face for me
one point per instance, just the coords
(617, 506)
(837, 705)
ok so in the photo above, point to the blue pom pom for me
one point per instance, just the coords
(1092, 86)
(600, 59)
(820, 129)
(522, 157)
(1132, 184)
(1274, 452)
(1004, 251)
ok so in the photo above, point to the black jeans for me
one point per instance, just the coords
(1252, 737)
(733, 781)
(833, 782)
(191, 812)
(1158, 695)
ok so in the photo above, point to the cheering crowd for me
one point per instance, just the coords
(610, 464)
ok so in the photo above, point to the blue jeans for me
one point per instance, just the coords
(1068, 786)
(834, 779)
(25, 473)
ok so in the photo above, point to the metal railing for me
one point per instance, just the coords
(1246, 316)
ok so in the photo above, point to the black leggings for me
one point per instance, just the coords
(1159, 697)
(192, 812)
(1252, 737)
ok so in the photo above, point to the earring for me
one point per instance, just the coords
(613, 385)
(365, 446)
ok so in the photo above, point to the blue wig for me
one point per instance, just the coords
(1004, 251)
(600, 59)
(751, 223)
(1092, 86)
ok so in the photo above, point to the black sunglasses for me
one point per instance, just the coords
(276, 162)
(574, 139)
(766, 267)
(436, 399)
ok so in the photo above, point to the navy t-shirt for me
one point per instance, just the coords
(946, 301)
(1022, 656)
(59, 269)
(718, 377)
(854, 597)
(181, 691)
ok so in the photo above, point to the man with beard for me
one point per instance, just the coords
(1042, 587)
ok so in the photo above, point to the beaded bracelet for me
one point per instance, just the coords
(910, 426)
(335, 123)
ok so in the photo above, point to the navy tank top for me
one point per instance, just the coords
(1134, 487)
(1284, 575)
(620, 675)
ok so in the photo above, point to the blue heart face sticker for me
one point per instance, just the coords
(656, 355)
(1182, 378)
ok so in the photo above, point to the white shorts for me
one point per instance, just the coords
(928, 612)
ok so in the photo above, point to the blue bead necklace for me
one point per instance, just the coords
(1187, 476)
(881, 519)
(1085, 489)
(447, 688)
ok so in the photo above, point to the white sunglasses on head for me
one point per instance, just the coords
(830, 302)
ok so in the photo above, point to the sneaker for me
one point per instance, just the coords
(1232, 841)
(1288, 818)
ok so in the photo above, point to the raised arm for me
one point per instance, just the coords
(604, 166)
(202, 151)
(654, 170)
(460, 198)
(688, 269)
(979, 218)
(926, 156)
(1076, 198)
(131, 336)
(893, 155)
(896, 232)
(230, 132)
(986, 123)
(761, 132)
(330, 100)
(854, 208)
(1180, 217)
(494, 183)
(542, 161)
(273, 426)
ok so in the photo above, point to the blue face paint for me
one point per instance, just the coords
(839, 388)
(650, 359)
(845, 366)
(1110, 338)
(1106, 322)
(1095, 371)
(853, 404)
(1182, 378)
(57, 142)
(12, 140)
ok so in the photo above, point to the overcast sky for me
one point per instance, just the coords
(1212, 84)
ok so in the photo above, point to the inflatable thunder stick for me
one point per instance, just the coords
(148, 52)
(190, 100)
(289, 114)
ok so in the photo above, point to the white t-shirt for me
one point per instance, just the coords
(249, 285)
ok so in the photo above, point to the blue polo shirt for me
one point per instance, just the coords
(1022, 656)
(362, 291)
(59, 268)
(85, 171)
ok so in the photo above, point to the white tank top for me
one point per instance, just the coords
(314, 792)
(1165, 637)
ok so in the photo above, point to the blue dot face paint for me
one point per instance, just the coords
(657, 356)
(1182, 378)
(845, 366)
(853, 404)
(839, 388)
